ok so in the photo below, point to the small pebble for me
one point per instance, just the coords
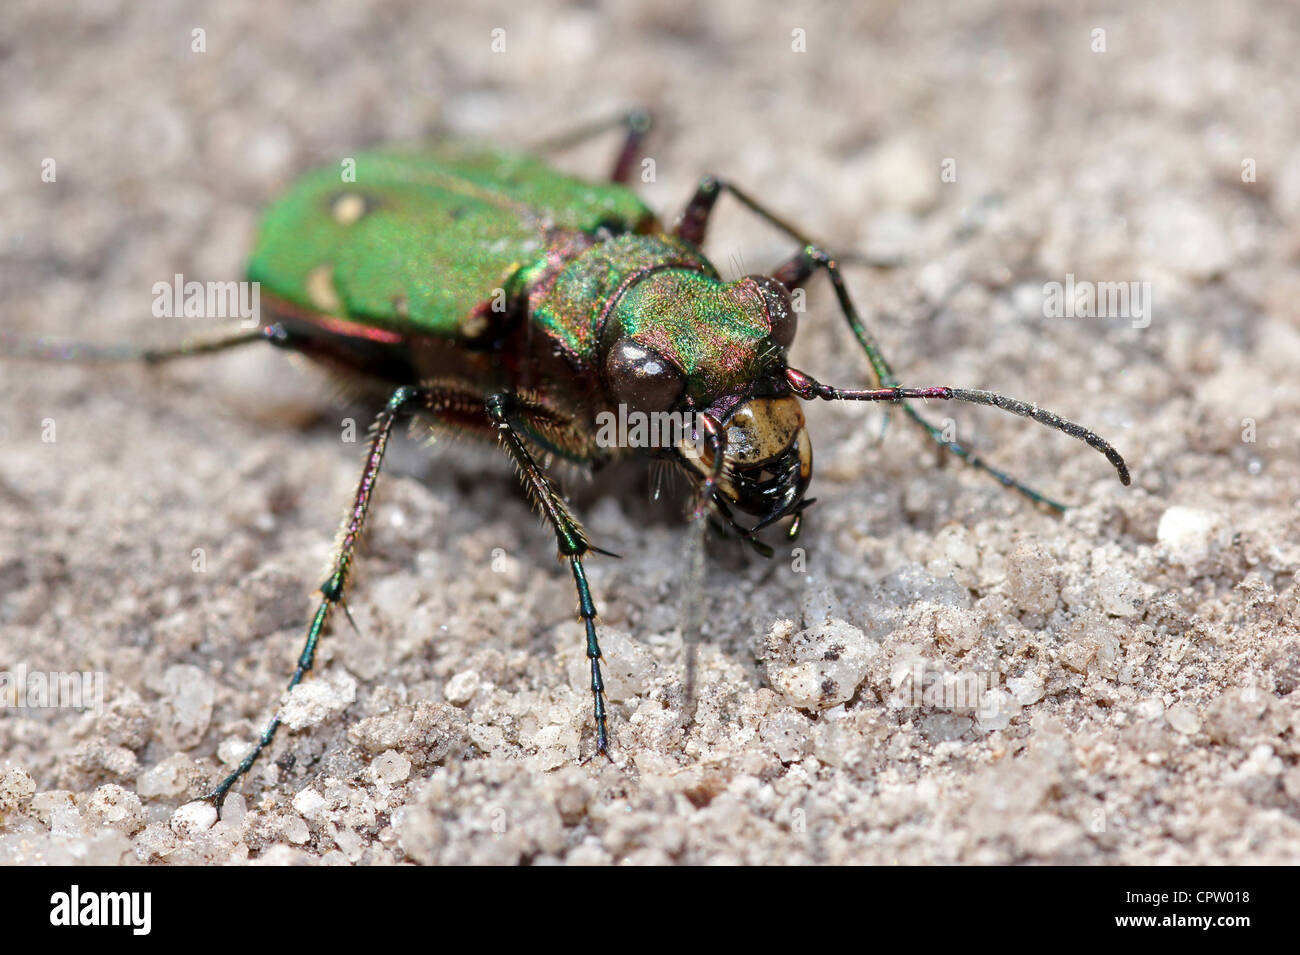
(16, 790)
(821, 667)
(1182, 236)
(295, 829)
(1183, 718)
(1026, 689)
(1189, 536)
(944, 727)
(111, 805)
(1119, 594)
(312, 703)
(185, 709)
(1031, 579)
(193, 818)
(168, 778)
(461, 688)
(392, 767)
(309, 802)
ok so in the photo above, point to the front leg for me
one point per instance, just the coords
(570, 541)
(692, 226)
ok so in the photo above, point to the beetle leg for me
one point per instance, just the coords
(692, 226)
(693, 223)
(570, 540)
(795, 271)
(638, 122)
(403, 401)
(41, 350)
(635, 122)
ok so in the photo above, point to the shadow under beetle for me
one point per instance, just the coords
(483, 291)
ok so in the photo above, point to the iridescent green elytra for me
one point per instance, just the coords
(483, 291)
(414, 241)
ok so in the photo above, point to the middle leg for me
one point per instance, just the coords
(403, 402)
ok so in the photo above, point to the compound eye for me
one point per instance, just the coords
(780, 311)
(641, 378)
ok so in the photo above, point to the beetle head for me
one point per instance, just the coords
(715, 354)
(767, 458)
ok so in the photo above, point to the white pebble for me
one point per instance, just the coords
(309, 802)
(1026, 689)
(391, 766)
(233, 749)
(1183, 718)
(461, 688)
(16, 790)
(997, 708)
(1120, 594)
(193, 818)
(349, 843)
(186, 705)
(168, 778)
(1180, 236)
(1189, 536)
(111, 805)
(1262, 761)
(1031, 579)
(46, 804)
(821, 667)
(1150, 709)
(312, 703)
(295, 830)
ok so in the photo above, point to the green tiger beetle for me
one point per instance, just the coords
(481, 290)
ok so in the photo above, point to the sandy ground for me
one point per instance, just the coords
(944, 675)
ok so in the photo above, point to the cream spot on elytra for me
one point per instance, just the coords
(348, 207)
(321, 291)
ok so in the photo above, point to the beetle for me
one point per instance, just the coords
(481, 290)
